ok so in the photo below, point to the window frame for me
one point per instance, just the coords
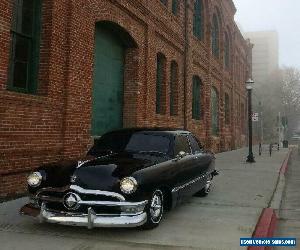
(226, 51)
(215, 123)
(215, 36)
(161, 62)
(198, 20)
(196, 98)
(33, 53)
(175, 7)
(174, 88)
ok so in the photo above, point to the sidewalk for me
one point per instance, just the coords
(230, 211)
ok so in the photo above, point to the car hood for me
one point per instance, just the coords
(102, 173)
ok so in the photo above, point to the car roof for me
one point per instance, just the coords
(152, 129)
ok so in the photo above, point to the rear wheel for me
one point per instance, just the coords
(205, 191)
(154, 210)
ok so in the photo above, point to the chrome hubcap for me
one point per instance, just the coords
(156, 206)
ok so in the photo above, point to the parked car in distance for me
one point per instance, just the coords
(129, 178)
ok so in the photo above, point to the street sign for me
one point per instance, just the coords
(255, 117)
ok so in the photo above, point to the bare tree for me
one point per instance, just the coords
(279, 93)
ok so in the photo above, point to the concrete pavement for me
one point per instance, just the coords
(230, 211)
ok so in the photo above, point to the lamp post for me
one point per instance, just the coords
(249, 86)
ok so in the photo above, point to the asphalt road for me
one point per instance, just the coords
(218, 221)
(289, 223)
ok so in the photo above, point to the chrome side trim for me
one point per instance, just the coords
(176, 189)
(97, 192)
(112, 203)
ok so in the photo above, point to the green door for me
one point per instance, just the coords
(108, 83)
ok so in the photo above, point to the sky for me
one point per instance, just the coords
(280, 15)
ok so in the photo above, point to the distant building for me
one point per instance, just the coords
(264, 54)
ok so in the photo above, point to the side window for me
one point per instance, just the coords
(196, 148)
(181, 144)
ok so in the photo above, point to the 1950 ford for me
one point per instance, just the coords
(128, 179)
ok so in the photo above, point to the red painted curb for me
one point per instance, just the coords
(265, 227)
(284, 166)
(267, 221)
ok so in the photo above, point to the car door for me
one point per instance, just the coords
(184, 165)
(201, 161)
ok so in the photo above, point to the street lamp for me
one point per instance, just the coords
(249, 86)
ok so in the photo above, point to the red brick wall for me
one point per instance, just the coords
(55, 123)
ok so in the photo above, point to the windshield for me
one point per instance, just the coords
(139, 142)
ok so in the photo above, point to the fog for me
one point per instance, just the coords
(280, 15)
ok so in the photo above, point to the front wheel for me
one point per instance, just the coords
(205, 191)
(154, 210)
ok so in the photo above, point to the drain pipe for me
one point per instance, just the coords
(186, 44)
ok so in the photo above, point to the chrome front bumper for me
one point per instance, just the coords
(89, 220)
(121, 214)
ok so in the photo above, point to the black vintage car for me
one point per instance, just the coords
(128, 179)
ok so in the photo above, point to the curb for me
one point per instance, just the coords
(267, 221)
(265, 227)
(284, 166)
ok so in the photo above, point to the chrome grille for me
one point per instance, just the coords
(101, 201)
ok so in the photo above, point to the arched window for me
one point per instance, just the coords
(160, 83)
(227, 51)
(215, 36)
(198, 19)
(227, 109)
(174, 89)
(214, 111)
(175, 7)
(196, 108)
(25, 32)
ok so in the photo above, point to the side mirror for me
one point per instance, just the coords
(181, 155)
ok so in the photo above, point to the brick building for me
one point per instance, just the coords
(70, 70)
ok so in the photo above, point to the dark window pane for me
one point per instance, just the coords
(173, 89)
(27, 21)
(198, 23)
(148, 142)
(20, 74)
(175, 7)
(226, 57)
(215, 36)
(214, 112)
(196, 102)
(25, 45)
(22, 47)
(160, 78)
(28, 4)
(123, 141)
(181, 144)
(194, 144)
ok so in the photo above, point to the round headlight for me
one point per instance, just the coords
(128, 185)
(34, 179)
